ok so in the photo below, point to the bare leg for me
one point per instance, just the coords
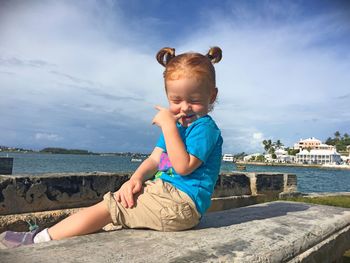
(87, 220)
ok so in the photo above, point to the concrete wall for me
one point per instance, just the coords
(34, 193)
(6, 165)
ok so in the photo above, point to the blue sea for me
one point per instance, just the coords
(309, 179)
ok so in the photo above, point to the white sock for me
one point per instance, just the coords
(42, 236)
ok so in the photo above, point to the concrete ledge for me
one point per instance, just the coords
(19, 222)
(270, 232)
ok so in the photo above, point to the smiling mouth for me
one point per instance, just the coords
(187, 118)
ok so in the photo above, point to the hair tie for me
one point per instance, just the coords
(165, 55)
(214, 54)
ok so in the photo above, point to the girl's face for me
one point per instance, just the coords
(191, 97)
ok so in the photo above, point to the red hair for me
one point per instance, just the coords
(189, 64)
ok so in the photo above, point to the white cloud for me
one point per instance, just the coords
(277, 79)
(78, 70)
(48, 137)
(258, 136)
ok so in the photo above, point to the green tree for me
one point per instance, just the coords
(239, 156)
(329, 141)
(340, 142)
(292, 151)
(278, 144)
(260, 158)
(337, 135)
(267, 145)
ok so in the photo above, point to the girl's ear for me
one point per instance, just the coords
(213, 96)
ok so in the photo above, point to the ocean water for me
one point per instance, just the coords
(309, 179)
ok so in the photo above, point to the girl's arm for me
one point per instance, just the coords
(145, 171)
(183, 162)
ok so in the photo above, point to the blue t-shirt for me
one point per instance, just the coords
(203, 140)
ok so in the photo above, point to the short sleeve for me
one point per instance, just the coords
(202, 140)
(161, 142)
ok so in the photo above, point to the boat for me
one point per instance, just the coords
(241, 167)
(136, 160)
(228, 157)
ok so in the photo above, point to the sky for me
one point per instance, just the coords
(83, 74)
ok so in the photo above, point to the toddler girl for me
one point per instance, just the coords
(172, 188)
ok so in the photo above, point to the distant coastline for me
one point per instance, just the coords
(54, 150)
(298, 165)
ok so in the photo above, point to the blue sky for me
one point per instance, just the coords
(82, 74)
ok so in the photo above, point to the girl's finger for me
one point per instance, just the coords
(130, 197)
(117, 196)
(123, 201)
(180, 115)
(157, 107)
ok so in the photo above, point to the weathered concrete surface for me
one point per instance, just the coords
(272, 232)
(36, 193)
(20, 222)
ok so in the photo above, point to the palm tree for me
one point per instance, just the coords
(267, 145)
(278, 144)
(329, 141)
(337, 135)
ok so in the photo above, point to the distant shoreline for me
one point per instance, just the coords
(298, 165)
(124, 154)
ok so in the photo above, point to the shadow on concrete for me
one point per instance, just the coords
(249, 213)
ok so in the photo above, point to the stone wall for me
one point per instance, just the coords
(35, 193)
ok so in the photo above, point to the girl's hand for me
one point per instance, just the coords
(126, 193)
(165, 117)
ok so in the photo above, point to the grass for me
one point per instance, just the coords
(346, 257)
(340, 201)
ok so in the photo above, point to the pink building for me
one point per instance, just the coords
(312, 144)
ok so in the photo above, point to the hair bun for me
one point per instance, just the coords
(165, 55)
(214, 54)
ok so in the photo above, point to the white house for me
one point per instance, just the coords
(282, 156)
(317, 156)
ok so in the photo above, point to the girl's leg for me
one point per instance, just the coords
(87, 220)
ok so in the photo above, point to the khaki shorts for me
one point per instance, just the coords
(159, 206)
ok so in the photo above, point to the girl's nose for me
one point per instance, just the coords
(185, 106)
